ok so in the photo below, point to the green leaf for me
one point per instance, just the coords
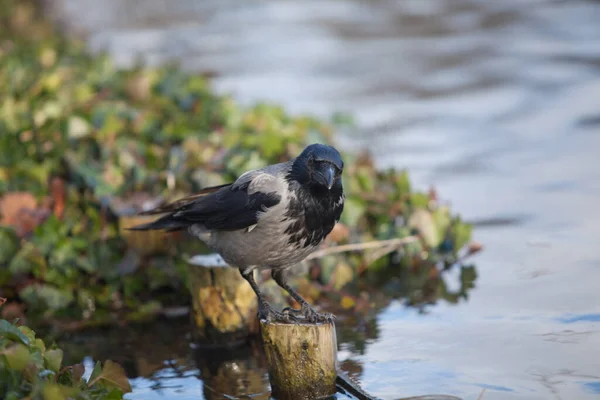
(95, 373)
(403, 183)
(9, 244)
(46, 296)
(24, 260)
(442, 219)
(114, 394)
(461, 234)
(423, 222)
(365, 178)
(40, 345)
(78, 127)
(419, 200)
(54, 391)
(112, 375)
(37, 358)
(53, 359)
(17, 356)
(11, 332)
(27, 331)
(354, 209)
(468, 275)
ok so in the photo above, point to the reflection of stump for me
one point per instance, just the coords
(224, 305)
(238, 372)
(301, 359)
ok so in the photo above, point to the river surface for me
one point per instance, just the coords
(495, 103)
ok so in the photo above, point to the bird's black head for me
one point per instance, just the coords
(318, 166)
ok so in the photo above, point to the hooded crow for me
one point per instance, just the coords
(270, 218)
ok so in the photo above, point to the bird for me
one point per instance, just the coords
(270, 218)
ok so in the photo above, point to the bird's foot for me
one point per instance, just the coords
(310, 314)
(266, 312)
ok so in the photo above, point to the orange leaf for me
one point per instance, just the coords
(12, 203)
(20, 210)
(474, 247)
(57, 191)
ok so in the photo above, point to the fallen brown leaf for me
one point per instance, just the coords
(13, 202)
(20, 210)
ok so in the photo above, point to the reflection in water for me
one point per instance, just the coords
(162, 360)
(141, 350)
(237, 372)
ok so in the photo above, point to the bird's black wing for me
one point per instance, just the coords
(226, 207)
(183, 202)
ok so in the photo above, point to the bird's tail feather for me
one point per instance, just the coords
(166, 223)
(169, 222)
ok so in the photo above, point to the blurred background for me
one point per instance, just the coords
(494, 104)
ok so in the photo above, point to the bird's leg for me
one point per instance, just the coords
(280, 276)
(265, 311)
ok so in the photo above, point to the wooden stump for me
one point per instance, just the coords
(301, 359)
(224, 305)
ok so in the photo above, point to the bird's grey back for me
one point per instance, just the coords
(265, 244)
(258, 179)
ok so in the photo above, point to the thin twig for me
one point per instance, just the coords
(377, 254)
(481, 395)
(376, 244)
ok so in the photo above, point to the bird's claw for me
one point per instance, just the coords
(292, 315)
(267, 313)
(310, 314)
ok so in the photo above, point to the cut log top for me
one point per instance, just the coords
(302, 359)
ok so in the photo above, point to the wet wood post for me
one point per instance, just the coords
(301, 358)
(224, 307)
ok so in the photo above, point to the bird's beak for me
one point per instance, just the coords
(326, 176)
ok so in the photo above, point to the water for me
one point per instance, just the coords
(496, 104)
